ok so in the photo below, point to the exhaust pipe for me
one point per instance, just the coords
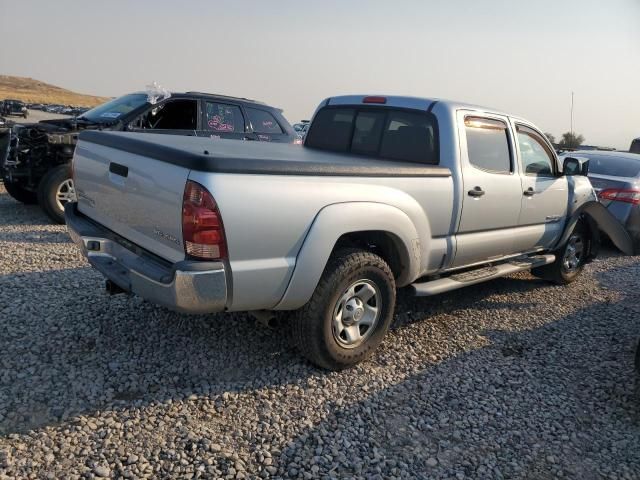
(113, 289)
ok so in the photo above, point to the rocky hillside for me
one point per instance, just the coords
(34, 91)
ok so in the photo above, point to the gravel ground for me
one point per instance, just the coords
(510, 379)
(35, 116)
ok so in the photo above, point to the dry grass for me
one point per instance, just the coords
(34, 91)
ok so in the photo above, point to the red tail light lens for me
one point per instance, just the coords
(627, 196)
(202, 228)
(379, 100)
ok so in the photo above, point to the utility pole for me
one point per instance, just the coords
(571, 114)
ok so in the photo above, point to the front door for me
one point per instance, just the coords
(545, 192)
(176, 116)
(492, 190)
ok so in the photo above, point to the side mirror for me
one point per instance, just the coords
(575, 166)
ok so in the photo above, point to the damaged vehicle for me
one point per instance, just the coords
(13, 108)
(35, 158)
(387, 192)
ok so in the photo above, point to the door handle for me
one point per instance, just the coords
(529, 192)
(117, 169)
(476, 192)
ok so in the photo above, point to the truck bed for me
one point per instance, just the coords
(230, 156)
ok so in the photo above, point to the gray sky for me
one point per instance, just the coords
(521, 57)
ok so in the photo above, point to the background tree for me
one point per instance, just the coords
(551, 138)
(571, 140)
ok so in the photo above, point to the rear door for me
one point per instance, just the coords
(492, 190)
(545, 192)
(266, 127)
(224, 120)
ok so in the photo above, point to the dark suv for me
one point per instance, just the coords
(13, 107)
(35, 167)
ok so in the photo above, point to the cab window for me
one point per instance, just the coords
(488, 144)
(387, 133)
(535, 155)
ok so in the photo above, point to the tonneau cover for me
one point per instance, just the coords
(252, 157)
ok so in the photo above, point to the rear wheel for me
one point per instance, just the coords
(349, 312)
(570, 259)
(55, 191)
(21, 194)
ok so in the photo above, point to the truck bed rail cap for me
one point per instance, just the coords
(233, 156)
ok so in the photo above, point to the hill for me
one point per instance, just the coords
(34, 91)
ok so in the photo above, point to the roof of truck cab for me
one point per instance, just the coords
(418, 103)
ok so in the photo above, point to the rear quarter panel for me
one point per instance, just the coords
(267, 218)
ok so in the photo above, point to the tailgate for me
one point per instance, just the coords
(137, 197)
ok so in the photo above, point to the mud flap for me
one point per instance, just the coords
(606, 222)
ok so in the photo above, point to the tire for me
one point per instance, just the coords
(21, 194)
(348, 279)
(570, 259)
(51, 187)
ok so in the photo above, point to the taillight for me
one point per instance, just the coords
(202, 228)
(627, 196)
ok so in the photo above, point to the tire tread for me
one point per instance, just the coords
(343, 263)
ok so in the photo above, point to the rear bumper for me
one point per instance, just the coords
(187, 286)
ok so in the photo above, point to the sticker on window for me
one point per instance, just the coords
(111, 114)
(224, 118)
(217, 123)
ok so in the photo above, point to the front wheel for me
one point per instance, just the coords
(349, 313)
(570, 259)
(55, 190)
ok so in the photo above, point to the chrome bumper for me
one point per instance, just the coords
(187, 286)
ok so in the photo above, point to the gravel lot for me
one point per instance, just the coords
(510, 379)
(36, 116)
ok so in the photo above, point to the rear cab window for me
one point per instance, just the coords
(386, 133)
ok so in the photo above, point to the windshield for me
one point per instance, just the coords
(113, 110)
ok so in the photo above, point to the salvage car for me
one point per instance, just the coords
(386, 192)
(615, 177)
(36, 167)
(13, 108)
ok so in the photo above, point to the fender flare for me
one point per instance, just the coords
(336, 220)
(605, 221)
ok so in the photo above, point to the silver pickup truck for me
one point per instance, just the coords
(387, 192)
